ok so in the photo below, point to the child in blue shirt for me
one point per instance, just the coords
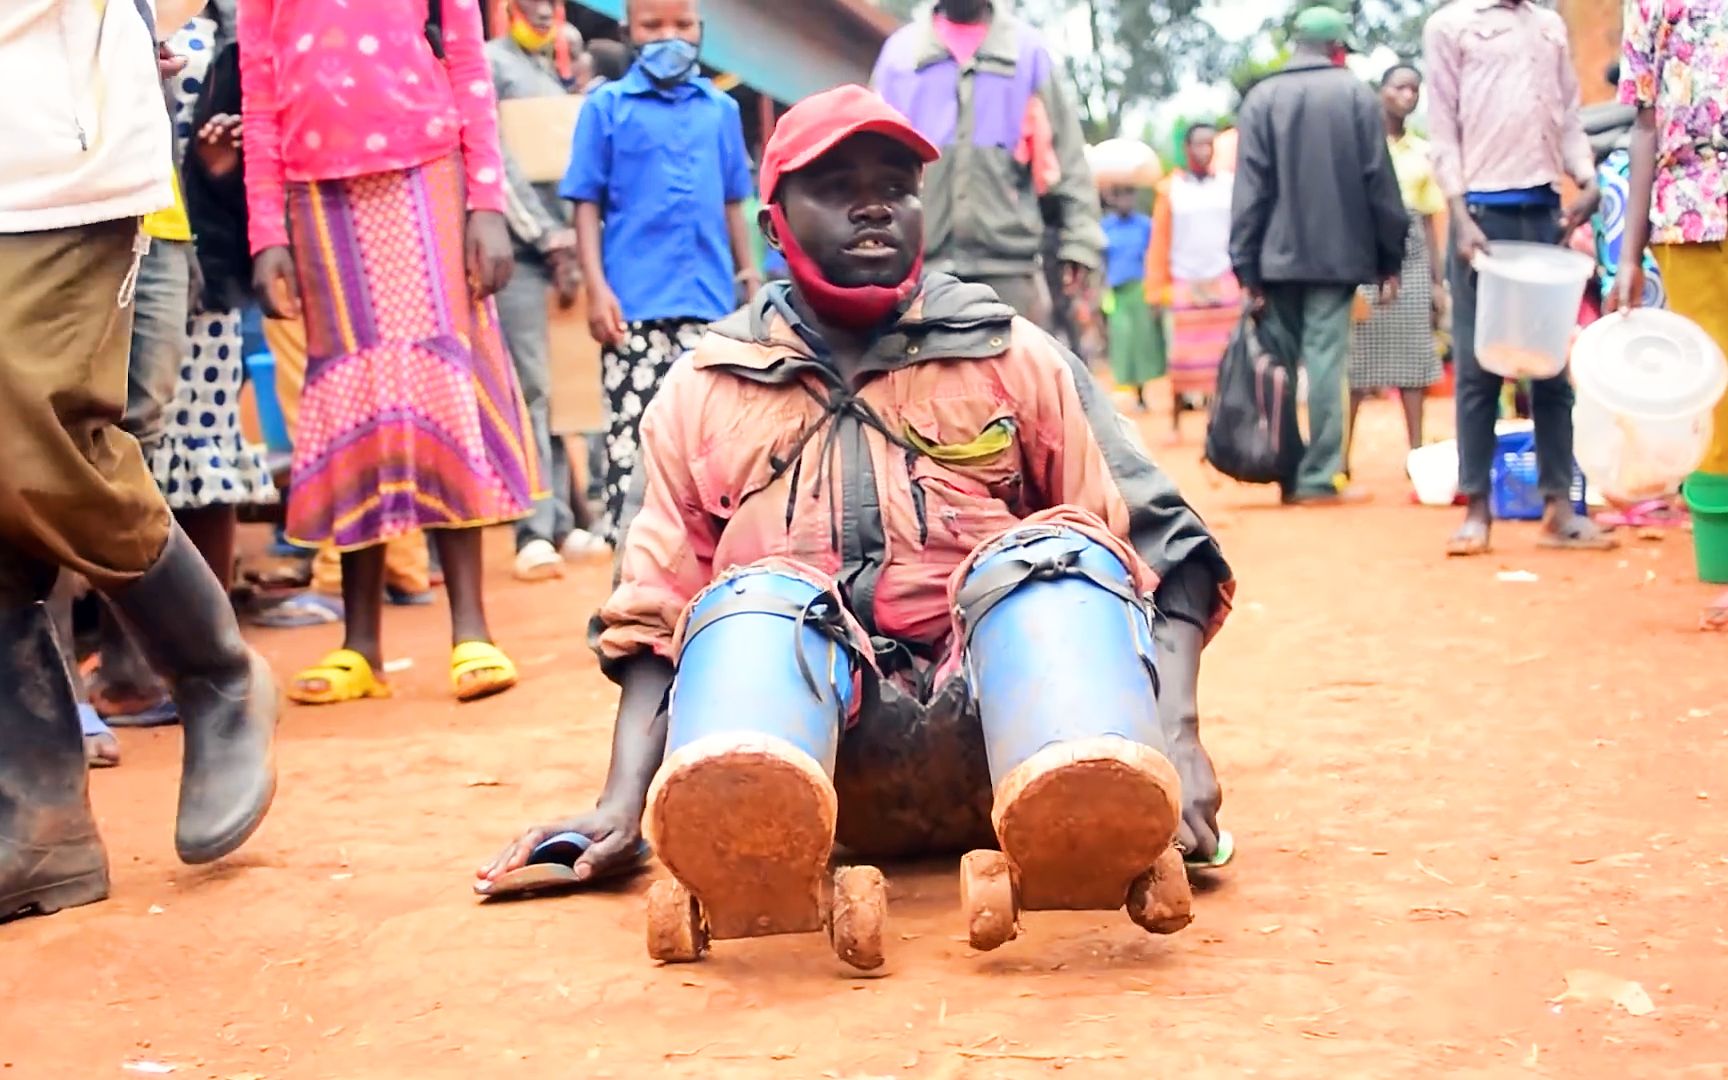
(1136, 339)
(659, 175)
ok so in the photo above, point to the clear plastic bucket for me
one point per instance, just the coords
(1648, 383)
(1527, 300)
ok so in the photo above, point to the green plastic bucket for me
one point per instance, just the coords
(1707, 496)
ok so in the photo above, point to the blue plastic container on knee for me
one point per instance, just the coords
(739, 671)
(1060, 657)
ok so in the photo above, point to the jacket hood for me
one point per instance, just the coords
(948, 319)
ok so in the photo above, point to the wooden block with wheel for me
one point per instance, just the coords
(1085, 825)
(745, 823)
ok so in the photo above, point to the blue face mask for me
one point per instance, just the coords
(669, 61)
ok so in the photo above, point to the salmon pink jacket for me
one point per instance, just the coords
(964, 421)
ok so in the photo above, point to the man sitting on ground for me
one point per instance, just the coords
(874, 432)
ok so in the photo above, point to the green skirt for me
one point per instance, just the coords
(1136, 339)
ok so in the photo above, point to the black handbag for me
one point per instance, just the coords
(1253, 434)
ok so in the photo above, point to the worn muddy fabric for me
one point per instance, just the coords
(965, 421)
(75, 491)
(912, 777)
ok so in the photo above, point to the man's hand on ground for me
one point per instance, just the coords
(490, 261)
(615, 832)
(277, 283)
(1201, 796)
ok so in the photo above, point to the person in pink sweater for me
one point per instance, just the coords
(375, 193)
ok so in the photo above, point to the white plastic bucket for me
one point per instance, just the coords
(1648, 383)
(1434, 472)
(1527, 300)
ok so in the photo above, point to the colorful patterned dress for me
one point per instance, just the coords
(411, 417)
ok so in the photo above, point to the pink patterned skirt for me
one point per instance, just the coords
(411, 417)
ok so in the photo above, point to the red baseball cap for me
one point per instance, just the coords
(818, 124)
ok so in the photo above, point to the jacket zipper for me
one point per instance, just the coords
(918, 504)
(72, 83)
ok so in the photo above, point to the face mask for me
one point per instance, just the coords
(669, 61)
(857, 307)
(531, 40)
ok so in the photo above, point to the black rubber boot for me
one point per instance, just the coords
(226, 696)
(50, 854)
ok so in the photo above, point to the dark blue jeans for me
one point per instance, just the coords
(1478, 392)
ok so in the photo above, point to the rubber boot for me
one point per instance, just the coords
(50, 854)
(226, 695)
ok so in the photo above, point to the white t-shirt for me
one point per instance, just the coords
(1200, 226)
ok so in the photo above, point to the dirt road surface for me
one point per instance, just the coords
(1449, 792)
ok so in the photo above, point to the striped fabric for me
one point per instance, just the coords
(1201, 318)
(411, 417)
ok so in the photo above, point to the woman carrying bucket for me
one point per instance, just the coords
(1674, 68)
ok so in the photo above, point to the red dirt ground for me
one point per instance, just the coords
(1449, 791)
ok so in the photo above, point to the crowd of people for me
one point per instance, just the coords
(880, 451)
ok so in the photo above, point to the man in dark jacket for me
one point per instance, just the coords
(1316, 213)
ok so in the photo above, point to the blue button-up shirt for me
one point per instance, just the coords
(662, 163)
(1126, 236)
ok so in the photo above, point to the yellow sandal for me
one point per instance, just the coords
(479, 669)
(346, 675)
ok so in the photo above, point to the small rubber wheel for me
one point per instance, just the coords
(988, 897)
(858, 916)
(677, 932)
(1161, 901)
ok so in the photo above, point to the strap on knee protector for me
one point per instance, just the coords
(823, 613)
(984, 589)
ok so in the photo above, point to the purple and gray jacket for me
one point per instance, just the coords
(989, 117)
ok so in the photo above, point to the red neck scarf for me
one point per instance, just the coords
(857, 307)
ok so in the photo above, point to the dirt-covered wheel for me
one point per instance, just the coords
(987, 895)
(677, 933)
(1161, 901)
(858, 916)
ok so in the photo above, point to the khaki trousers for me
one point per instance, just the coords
(74, 490)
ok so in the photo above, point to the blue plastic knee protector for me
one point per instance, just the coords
(763, 654)
(1058, 646)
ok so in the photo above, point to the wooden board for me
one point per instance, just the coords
(538, 133)
(577, 407)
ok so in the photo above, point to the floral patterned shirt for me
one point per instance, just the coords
(1676, 62)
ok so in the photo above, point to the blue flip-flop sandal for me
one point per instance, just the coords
(551, 867)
